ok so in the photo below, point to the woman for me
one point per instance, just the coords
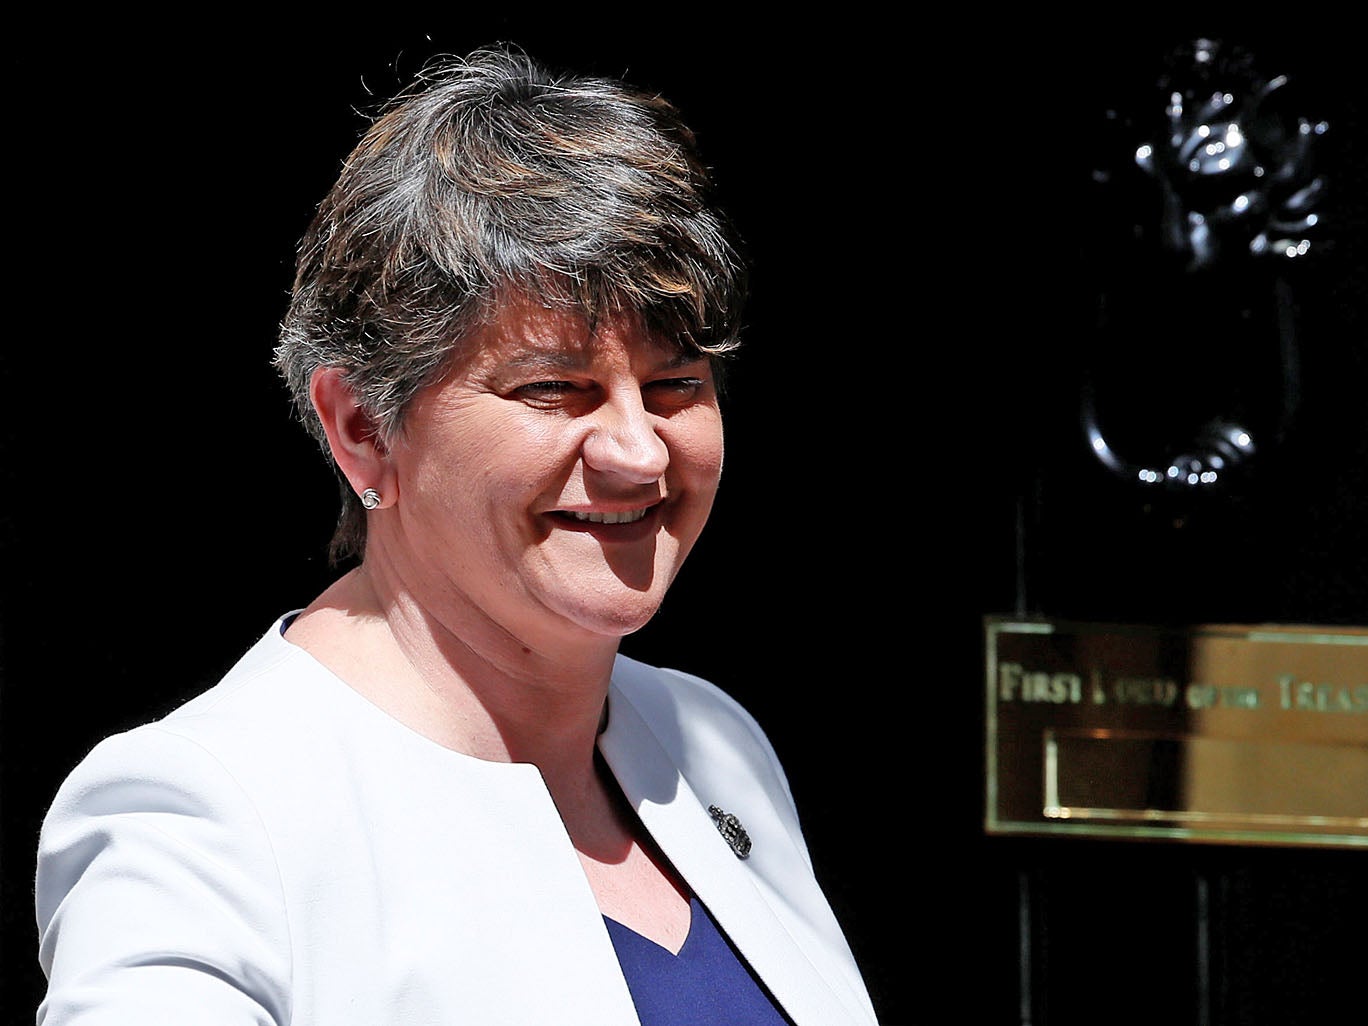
(438, 794)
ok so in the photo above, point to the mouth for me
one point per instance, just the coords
(591, 519)
(627, 516)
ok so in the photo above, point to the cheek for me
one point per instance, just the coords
(494, 463)
(696, 448)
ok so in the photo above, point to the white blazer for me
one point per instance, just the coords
(279, 850)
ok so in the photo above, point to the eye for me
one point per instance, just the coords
(677, 386)
(546, 393)
(545, 388)
(674, 393)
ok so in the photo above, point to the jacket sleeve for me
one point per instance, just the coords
(157, 897)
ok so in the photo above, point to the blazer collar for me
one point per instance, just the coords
(680, 824)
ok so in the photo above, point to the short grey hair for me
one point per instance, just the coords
(492, 177)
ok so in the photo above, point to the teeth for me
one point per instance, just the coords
(625, 517)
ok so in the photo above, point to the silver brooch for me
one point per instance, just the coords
(731, 829)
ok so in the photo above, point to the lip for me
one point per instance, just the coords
(606, 524)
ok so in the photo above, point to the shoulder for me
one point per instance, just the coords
(704, 729)
(199, 778)
(187, 751)
(274, 714)
(659, 691)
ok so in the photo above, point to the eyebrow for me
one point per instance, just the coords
(683, 357)
(553, 358)
(559, 359)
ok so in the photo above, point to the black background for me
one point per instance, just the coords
(914, 199)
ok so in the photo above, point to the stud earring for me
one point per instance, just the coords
(370, 498)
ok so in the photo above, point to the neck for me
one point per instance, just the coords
(462, 681)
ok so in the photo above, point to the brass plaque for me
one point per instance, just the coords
(1213, 733)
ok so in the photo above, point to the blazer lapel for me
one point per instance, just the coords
(680, 824)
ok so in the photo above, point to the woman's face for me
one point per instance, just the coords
(554, 480)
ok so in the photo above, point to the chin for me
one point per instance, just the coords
(612, 611)
(620, 621)
(612, 600)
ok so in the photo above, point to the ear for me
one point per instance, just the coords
(352, 435)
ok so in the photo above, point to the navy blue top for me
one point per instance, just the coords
(707, 983)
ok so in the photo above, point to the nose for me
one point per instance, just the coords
(623, 441)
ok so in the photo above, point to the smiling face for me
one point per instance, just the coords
(552, 484)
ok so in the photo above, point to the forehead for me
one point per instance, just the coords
(523, 332)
